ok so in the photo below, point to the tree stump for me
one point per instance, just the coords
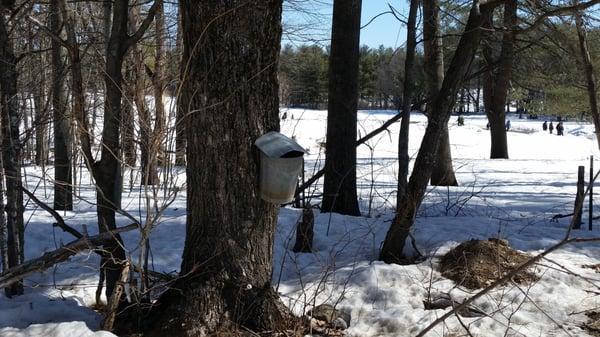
(305, 231)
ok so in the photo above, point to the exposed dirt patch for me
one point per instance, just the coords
(593, 324)
(477, 263)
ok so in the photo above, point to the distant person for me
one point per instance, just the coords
(461, 121)
(545, 126)
(487, 126)
(284, 115)
(507, 125)
(551, 127)
(560, 129)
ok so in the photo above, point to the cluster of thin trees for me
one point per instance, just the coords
(84, 80)
(227, 95)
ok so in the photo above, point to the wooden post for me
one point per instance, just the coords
(579, 196)
(591, 198)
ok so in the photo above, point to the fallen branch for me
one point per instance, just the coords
(60, 222)
(560, 216)
(61, 254)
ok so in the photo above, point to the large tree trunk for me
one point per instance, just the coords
(407, 97)
(443, 171)
(590, 76)
(339, 189)
(393, 246)
(227, 258)
(496, 79)
(11, 154)
(63, 175)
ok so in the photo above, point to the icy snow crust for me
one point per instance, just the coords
(514, 199)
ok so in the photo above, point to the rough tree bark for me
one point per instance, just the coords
(63, 176)
(229, 83)
(588, 67)
(407, 97)
(11, 153)
(443, 171)
(339, 187)
(393, 246)
(496, 79)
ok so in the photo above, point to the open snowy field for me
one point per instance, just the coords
(513, 199)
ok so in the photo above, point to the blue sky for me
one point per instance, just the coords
(314, 22)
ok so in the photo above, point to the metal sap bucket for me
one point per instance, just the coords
(280, 164)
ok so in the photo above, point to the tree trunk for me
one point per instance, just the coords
(590, 76)
(11, 154)
(407, 97)
(4, 260)
(147, 154)
(443, 171)
(227, 257)
(339, 187)
(496, 80)
(159, 156)
(478, 94)
(180, 114)
(84, 132)
(63, 177)
(468, 94)
(41, 120)
(393, 246)
(107, 171)
(106, 19)
(128, 136)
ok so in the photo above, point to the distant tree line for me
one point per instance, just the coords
(303, 77)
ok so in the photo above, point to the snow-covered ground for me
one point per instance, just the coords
(514, 199)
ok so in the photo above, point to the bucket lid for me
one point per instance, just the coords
(276, 145)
